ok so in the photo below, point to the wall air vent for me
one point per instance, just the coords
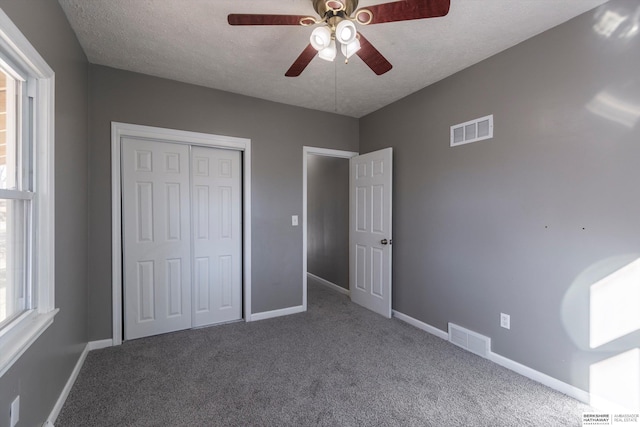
(472, 131)
(469, 340)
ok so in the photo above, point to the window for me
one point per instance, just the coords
(26, 194)
(15, 202)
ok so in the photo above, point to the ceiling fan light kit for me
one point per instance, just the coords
(329, 52)
(338, 21)
(346, 32)
(350, 48)
(320, 38)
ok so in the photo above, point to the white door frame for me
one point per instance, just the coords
(319, 152)
(119, 130)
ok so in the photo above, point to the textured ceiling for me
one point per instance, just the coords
(190, 41)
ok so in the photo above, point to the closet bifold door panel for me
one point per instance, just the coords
(182, 236)
(156, 237)
(217, 235)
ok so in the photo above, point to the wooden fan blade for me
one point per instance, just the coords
(405, 10)
(301, 63)
(372, 57)
(256, 19)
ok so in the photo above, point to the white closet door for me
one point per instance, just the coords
(217, 239)
(156, 237)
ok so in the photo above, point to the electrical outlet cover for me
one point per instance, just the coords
(505, 321)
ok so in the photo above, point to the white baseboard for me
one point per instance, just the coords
(277, 313)
(53, 415)
(97, 345)
(91, 345)
(538, 376)
(523, 370)
(329, 284)
(421, 325)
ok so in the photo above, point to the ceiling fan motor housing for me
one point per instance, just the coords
(335, 7)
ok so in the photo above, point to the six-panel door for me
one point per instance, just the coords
(370, 235)
(216, 235)
(181, 236)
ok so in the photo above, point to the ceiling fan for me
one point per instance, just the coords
(336, 26)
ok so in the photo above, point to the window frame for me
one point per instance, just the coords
(17, 336)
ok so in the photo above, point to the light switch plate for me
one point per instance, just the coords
(294, 220)
(15, 411)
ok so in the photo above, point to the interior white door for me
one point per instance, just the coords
(370, 234)
(156, 237)
(217, 239)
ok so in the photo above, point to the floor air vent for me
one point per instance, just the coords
(469, 340)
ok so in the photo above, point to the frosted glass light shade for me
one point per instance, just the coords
(320, 38)
(329, 53)
(350, 48)
(346, 32)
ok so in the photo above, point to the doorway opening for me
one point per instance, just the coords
(325, 218)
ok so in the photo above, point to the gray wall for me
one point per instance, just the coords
(42, 371)
(328, 218)
(277, 132)
(525, 222)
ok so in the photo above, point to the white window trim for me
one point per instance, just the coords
(16, 338)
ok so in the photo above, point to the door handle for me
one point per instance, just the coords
(385, 241)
